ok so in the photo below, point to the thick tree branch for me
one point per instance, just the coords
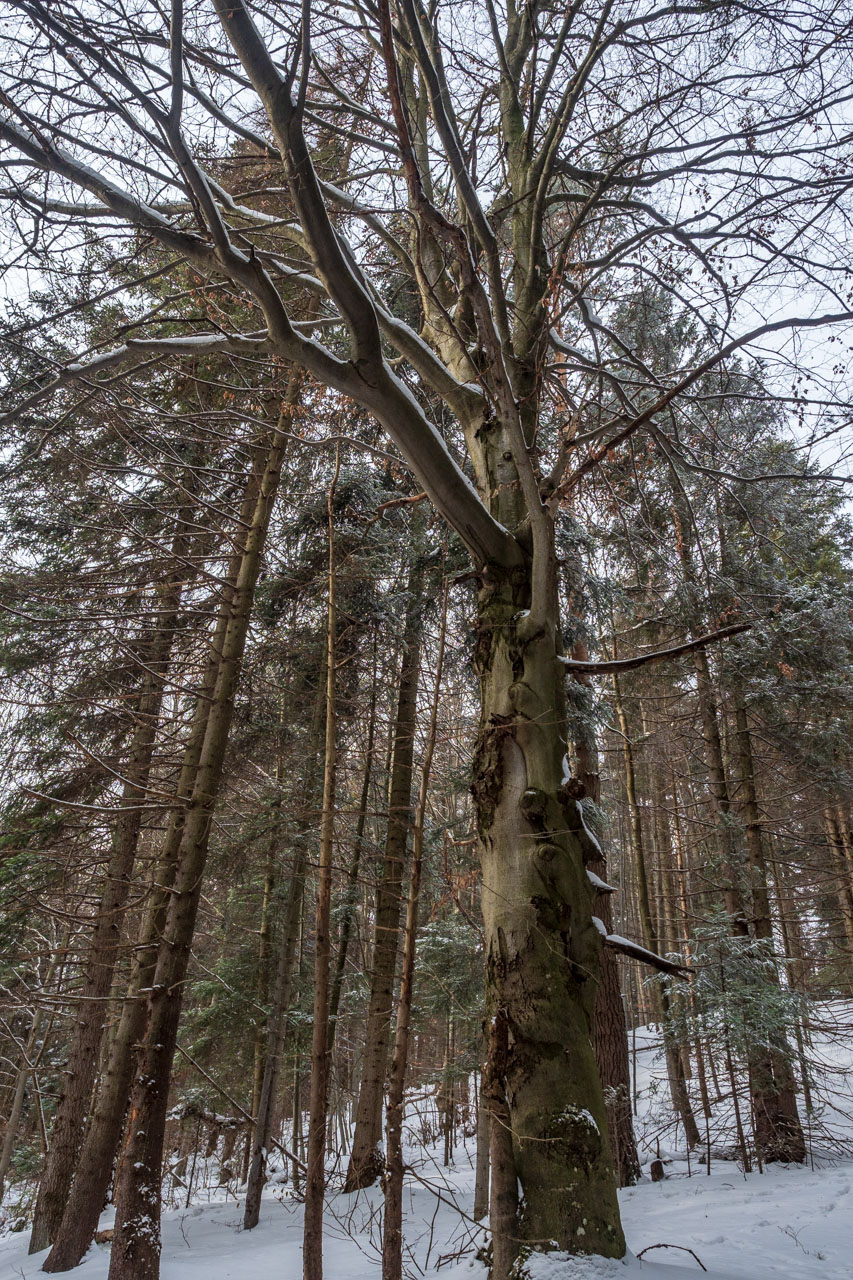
(618, 665)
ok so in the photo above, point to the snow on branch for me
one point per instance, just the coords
(617, 665)
(633, 949)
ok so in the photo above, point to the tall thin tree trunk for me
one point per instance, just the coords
(136, 1242)
(659, 994)
(351, 891)
(366, 1163)
(609, 1030)
(283, 984)
(778, 1131)
(315, 1179)
(103, 1133)
(392, 1238)
(842, 879)
(99, 966)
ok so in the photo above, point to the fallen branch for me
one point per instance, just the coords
(682, 1247)
(242, 1110)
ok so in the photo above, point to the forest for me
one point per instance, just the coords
(426, 636)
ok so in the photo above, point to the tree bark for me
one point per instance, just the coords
(610, 1036)
(67, 1133)
(315, 1178)
(283, 986)
(392, 1237)
(778, 1131)
(136, 1242)
(841, 875)
(350, 895)
(366, 1161)
(547, 1110)
(659, 995)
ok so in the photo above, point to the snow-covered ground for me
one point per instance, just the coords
(786, 1222)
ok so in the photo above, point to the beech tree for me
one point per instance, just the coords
(510, 173)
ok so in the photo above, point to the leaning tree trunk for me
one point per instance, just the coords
(29, 1059)
(67, 1133)
(136, 1242)
(548, 1118)
(103, 1134)
(366, 1162)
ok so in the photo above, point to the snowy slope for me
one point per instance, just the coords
(791, 1223)
(786, 1223)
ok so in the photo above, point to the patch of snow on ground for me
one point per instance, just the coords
(784, 1224)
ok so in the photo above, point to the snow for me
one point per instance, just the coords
(796, 1224)
(787, 1223)
(598, 883)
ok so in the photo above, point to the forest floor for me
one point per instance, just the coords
(792, 1222)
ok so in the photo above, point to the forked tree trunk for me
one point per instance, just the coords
(315, 1177)
(366, 1162)
(392, 1237)
(136, 1242)
(548, 1118)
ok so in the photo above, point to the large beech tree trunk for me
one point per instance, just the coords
(549, 1122)
(366, 1162)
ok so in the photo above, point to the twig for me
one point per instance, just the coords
(682, 1247)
